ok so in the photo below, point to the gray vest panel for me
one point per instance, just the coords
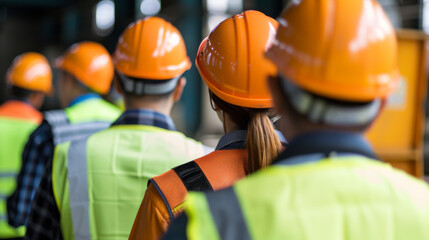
(64, 131)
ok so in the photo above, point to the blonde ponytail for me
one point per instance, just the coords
(262, 141)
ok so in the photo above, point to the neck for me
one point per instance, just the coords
(73, 94)
(157, 106)
(228, 124)
(291, 132)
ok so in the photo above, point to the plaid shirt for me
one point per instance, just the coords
(44, 219)
(37, 153)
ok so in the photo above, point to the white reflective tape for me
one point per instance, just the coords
(69, 132)
(78, 189)
(56, 117)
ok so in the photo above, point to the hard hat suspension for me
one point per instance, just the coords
(331, 112)
(142, 86)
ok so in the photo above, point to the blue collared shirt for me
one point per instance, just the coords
(145, 117)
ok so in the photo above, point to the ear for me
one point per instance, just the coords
(212, 103)
(277, 94)
(178, 91)
(117, 85)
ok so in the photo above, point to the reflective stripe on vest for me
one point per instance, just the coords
(227, 215)
(218, 170)
(64, 131)
(106, 177)
(78, 185)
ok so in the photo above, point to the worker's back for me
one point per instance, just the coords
(118, 163)
(350, 197)
(17, 120)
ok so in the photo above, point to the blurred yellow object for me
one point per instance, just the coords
(151, 49)
(30, 71)
(397, 135)
(90, 63)
(231, 59)
(341, 50)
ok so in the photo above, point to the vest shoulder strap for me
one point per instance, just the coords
(171, 190)
(56, 117)
(203, 174)
(72, 132)
(223, 168)
(64, 131)
(227, 214)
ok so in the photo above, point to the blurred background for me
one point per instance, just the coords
(50, 26)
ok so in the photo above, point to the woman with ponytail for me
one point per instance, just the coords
(231, 62)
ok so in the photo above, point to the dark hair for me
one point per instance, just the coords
(77, 82)
(262, 142)
(18, 92)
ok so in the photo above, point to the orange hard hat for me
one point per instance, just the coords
(30, 71)
(231, 59)
(343, 50)
(152, 49)
(90, 63)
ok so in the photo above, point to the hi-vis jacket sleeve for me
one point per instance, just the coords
(152, 218)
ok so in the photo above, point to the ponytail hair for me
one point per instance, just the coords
(262, 142)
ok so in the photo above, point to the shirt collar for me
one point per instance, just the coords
(84, 97)
(326, 143)
(237, 140)
(145, 117)
(232, 140)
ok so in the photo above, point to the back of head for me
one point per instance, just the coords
(30, 71)
(337, 69)
(231, 62)
(90, 63)
(150, 57)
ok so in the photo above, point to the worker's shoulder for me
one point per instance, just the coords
(145, 130)
(405, 183)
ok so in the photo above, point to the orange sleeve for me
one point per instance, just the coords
(152, 218)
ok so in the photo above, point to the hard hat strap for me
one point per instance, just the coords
(322, 110)
(142, 86)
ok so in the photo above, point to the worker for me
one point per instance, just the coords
(337, 64)
(28, 80)
(86, 70)
(94, 187)
(242, 101)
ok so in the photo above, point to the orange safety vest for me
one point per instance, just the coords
(165, 194)
(215, 171)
